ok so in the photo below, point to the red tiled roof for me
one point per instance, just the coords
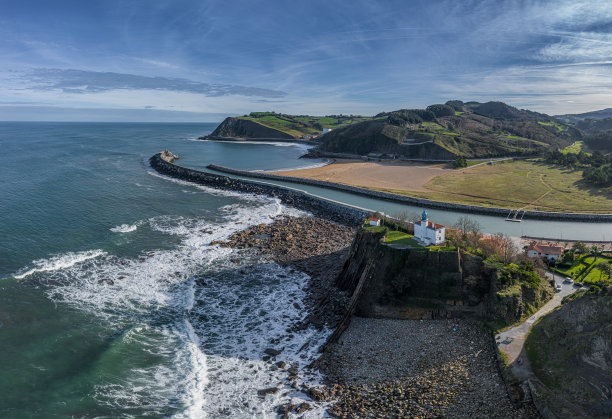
(374, 219)
(431, 225)
(545, 249)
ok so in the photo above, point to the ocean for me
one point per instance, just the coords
(113, 302)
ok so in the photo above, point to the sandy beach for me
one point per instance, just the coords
(385, 175)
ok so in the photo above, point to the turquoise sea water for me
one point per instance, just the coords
(112, 301)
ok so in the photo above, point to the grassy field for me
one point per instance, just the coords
(552, 124)
(576, 148)
(520, 184)
(584, 269)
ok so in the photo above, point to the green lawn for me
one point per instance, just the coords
(584, 269)
(401, 238)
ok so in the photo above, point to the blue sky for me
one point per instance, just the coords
(180, 60)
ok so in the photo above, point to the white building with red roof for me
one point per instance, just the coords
(428, 231)
(541, 250)
(374, 221)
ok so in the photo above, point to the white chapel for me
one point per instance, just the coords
(429, 232)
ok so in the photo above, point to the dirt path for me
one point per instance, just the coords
(512, 341)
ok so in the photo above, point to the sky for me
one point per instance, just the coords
(203, 60)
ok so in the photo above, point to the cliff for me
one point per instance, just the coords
(242, 128)
(570, 351)
(418, 283)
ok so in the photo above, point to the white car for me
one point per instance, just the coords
(559, 288)
(568, 280)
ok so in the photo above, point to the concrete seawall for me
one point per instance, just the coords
(335, 211)
(503, 212)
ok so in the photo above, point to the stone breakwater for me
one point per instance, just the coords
(415, 201)
(335, 211)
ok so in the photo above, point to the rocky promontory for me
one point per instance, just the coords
(243, 128)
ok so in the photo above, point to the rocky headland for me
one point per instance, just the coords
(241, 128)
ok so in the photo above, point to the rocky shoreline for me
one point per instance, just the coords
(379, 367)
(311, 245)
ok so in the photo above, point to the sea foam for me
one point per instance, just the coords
(194, 310)
(58, 262)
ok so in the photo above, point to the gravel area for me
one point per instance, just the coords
(416, 368)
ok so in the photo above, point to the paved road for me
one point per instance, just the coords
(512, 341)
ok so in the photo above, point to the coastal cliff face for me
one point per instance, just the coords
(416, 283)
(570, 351)
(240, 128)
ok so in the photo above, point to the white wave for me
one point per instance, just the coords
(124, 228)
(273, 143)
(205, 338)
(58, 262)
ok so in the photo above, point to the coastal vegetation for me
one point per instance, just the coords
(589, 266)
(597, 168)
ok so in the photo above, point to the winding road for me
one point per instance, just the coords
(512, 341)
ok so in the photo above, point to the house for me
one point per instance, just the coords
(541, 250)
(429, 232)
(374, 221)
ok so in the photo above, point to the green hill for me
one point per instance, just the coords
(276, 125)
(451, 130)
(441, 131)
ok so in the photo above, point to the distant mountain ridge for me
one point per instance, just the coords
(577, 117)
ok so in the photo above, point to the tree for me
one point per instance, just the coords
(441, 110)
(595, 252)
(604, 268)
(579, 248)
(469, 231)
(460, 162)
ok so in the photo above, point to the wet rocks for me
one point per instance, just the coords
(272, 352)
(264, 392)
(311, 245)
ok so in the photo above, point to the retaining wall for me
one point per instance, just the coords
(415, 201)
